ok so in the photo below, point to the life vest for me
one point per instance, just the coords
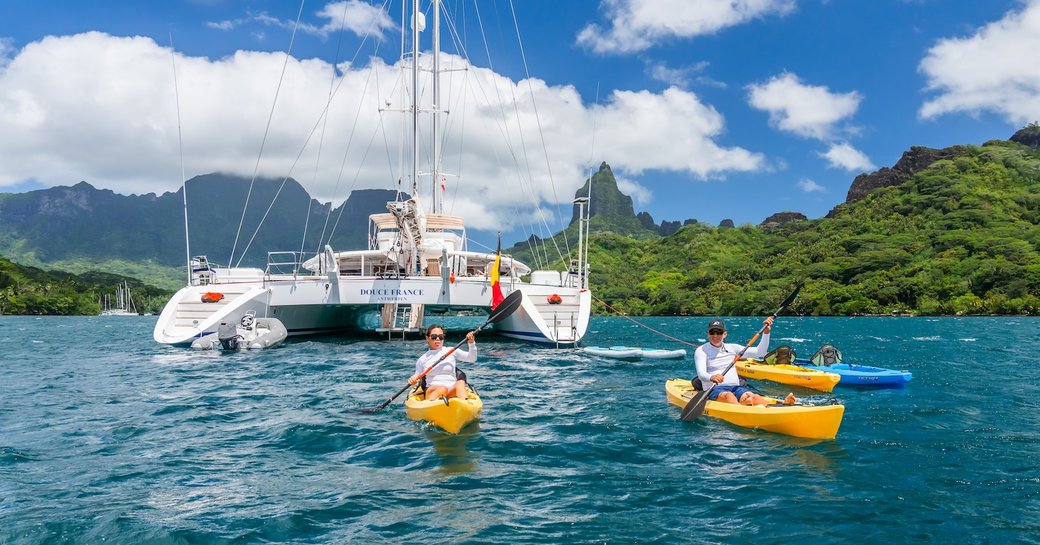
(212, 297)
(554, 299)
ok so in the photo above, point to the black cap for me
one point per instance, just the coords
(716, 324)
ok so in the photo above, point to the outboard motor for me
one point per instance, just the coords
(228, 336)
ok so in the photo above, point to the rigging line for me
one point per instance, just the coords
(333, 91)
(505, 132)
(627, 317)
(350, 139)
(541, 133)
(357, 175)
(267, 131)
(180, 152)
(324, 128)
(460, 50)
(459, 41)
(292, 167)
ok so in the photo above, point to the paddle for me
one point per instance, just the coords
(505, 308)
(695, 407)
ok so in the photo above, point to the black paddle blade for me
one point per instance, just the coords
(695, 407)
(790, 299)
(506, 307)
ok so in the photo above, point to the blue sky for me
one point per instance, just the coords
(705, 109)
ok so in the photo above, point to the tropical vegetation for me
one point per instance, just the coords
(961, 236)
(29, 290)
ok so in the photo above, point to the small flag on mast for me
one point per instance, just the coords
(496, 287)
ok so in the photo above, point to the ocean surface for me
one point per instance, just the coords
(108, 437)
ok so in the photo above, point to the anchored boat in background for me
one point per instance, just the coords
(417, 261)
(123, 305)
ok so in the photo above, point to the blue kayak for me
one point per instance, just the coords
(863, 376)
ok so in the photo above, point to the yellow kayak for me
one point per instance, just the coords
(795, 375)
(450, 414)
(810, 422)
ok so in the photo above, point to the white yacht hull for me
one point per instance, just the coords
(320, 304)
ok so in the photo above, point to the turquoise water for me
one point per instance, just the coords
(108, 437)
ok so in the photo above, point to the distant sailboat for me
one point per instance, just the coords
(124, 304)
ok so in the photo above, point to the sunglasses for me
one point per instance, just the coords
(436, 337)
(716, 331)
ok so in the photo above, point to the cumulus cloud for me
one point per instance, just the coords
(842, 155)
(995, 70)
(809, 186)
(636, 25)
(103, 109)
(810, 111)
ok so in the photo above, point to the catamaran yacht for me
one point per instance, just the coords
(417, 263)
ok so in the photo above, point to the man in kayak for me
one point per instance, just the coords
(442, 380)
(712, 357)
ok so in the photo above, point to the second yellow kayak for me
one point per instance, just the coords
(810, 422)
(451, 414)
(795, 375)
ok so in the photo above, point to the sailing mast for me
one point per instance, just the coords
(417, 21)
(436, 174)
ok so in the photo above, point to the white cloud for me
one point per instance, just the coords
(640, 124)
(636, 25)
(103, 109)
(640, 195)
(809, 186)
(843, 155)
(806, 110)
(356, 16)
(995, 70)
(682, 76)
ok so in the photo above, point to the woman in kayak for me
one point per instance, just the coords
(442, 380)
(712, 357)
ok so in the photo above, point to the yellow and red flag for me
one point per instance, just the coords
(496, 287)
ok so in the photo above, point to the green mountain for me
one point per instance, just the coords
(951, 231)
(81, 228)
(611, 212)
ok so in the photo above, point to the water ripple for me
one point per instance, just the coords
(131, 442)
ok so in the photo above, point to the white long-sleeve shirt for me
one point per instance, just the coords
(711, 360)
(443, 374)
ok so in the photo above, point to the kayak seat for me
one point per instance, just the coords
(826, 355)
(781, 355)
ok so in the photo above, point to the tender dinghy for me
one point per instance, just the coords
(250, 333)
